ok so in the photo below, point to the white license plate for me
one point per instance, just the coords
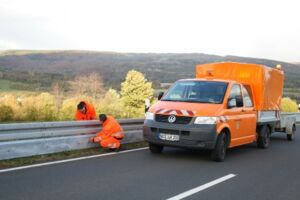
(168, 137)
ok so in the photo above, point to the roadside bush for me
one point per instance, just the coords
(29, 110)
(12, 102)
(47, 110)
(6, 114)
(110, 104)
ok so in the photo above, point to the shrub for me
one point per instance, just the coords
(6, 113)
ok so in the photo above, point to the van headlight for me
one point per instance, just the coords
(149, 116)
(206, 120)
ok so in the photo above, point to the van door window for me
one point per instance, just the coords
(234, 93)
(247, 99)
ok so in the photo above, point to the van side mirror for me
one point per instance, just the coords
(231, 103)
(160, 95)
(239, 101)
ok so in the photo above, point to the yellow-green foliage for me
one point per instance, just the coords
(12, 102)
(6, 114)
(134, 90)
(288, 105)
(57, 106)
(110, 104)
(46, 106)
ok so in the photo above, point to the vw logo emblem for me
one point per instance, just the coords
(172, 119)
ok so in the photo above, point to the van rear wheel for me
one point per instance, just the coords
(154, 148)
(291, 136)
(263, 140)
(218, 154)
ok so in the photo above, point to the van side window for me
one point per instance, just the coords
(235, 91)
(247, 99)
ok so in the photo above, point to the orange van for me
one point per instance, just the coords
(227, 105)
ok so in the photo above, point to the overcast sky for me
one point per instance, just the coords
(254, 28)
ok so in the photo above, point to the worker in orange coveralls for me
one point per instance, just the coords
(85, 111)
(111, 133)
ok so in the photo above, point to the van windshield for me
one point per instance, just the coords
(197, 91)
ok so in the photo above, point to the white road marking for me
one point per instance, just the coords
(70, 160)
(202, 187)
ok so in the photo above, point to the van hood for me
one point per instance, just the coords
(186, 108)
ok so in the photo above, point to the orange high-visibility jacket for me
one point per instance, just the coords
(109, 128)
(90, 113)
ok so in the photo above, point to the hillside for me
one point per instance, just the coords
(42, 68)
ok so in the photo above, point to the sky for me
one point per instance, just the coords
(253, 28)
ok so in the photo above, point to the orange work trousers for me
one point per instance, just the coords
(111, 142)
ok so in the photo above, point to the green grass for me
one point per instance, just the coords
(5, 85)
(17, 162)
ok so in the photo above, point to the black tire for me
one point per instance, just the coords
(219, 153)
(263, 140)
(154, 148)
(291, 137)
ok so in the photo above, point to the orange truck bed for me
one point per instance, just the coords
(265, 83)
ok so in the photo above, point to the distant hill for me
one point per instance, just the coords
(45, 67)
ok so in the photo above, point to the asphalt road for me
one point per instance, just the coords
(273, 173)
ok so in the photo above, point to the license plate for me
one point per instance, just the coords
(168, 137)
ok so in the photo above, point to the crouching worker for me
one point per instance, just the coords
(111, 133)
(85, 111)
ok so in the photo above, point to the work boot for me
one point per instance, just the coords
(115, 149)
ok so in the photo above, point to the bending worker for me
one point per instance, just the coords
(111, 133)
(85, 111)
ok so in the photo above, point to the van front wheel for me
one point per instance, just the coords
(218, 154)
(154, 148)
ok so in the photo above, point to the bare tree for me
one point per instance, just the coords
(58, 93)
(90, 85)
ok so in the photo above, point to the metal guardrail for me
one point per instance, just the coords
(27, 139)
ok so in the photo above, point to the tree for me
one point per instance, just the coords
(134, 90)
(58, 93)
(89, 85)
(288, 105)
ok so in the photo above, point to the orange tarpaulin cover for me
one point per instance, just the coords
(266, 83)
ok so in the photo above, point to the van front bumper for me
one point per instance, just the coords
(195, 136)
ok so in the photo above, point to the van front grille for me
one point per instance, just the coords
(179, 119)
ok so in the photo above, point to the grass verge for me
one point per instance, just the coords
(17, 162)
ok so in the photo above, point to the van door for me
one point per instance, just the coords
(239, 117)
(249, 114)
(233, 114)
